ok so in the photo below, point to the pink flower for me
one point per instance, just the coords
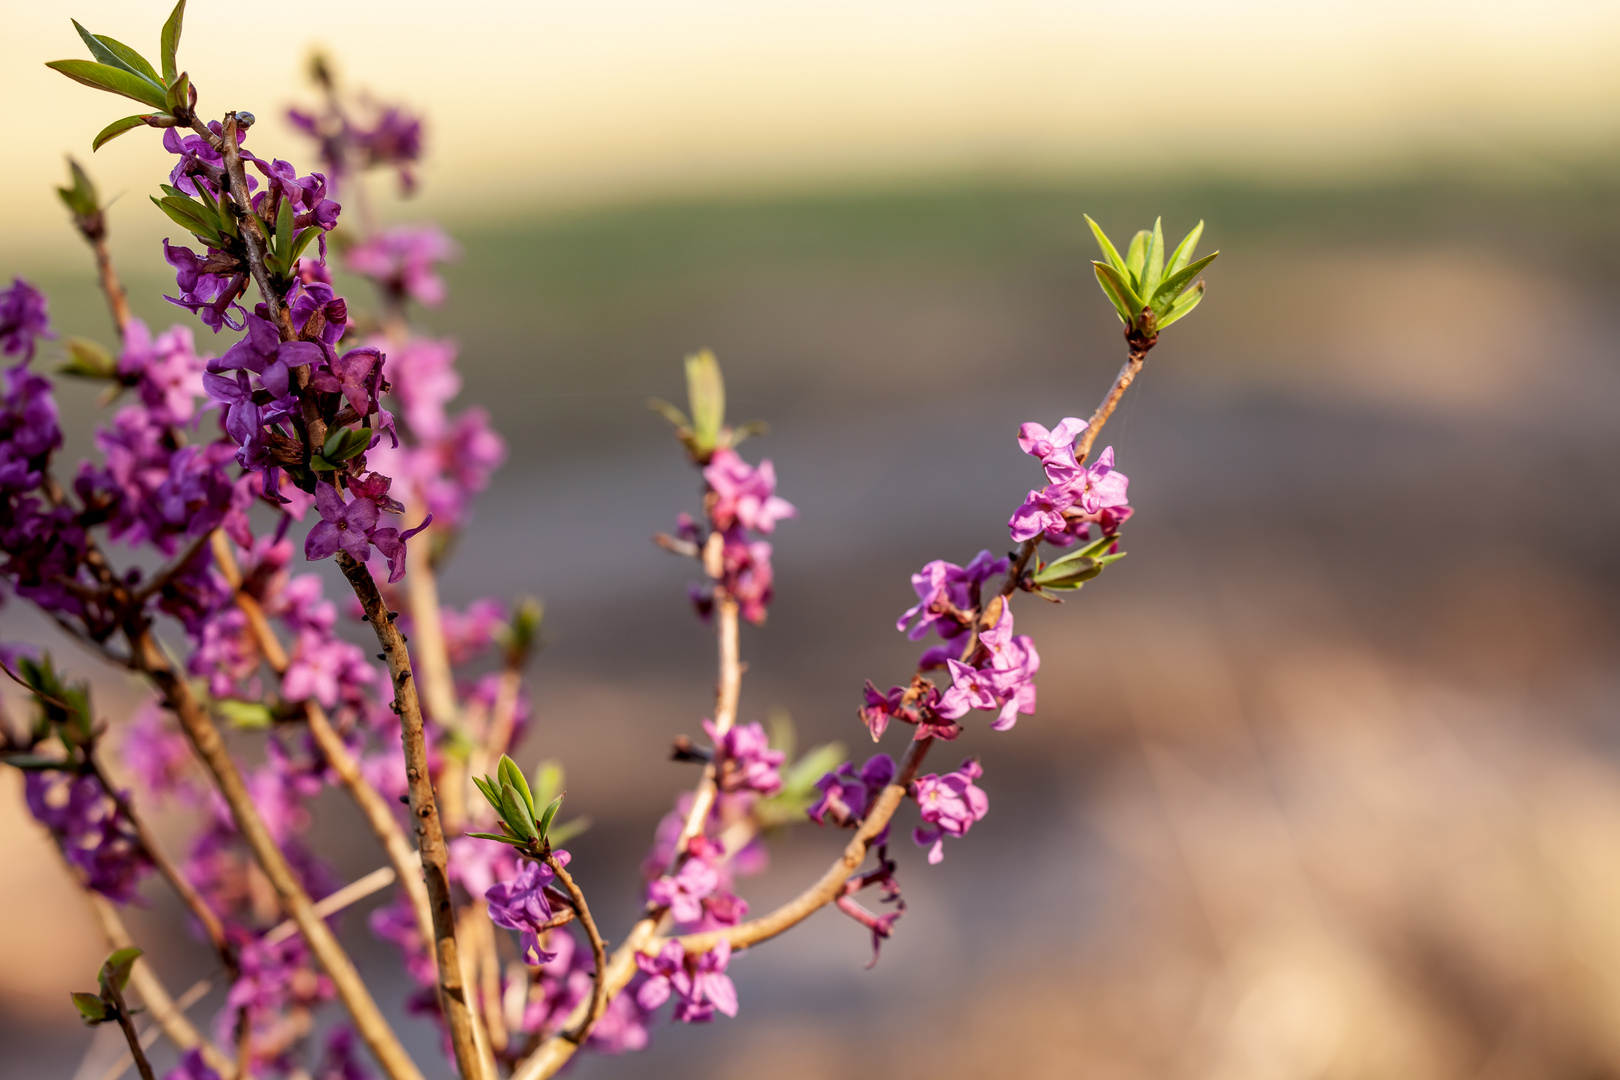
(951, 804)
(743, 493)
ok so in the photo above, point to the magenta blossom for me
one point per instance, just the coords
(743, 493)
(23, 319)
(950, 804)
(846, 795)
(701, 986)
(745, 759)
(684, 893)
(944, 590)
(520, 904)
(342, 525)
(1003, 682)
(402, 260)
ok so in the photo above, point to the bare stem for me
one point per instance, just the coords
(1122, 383)
(117, 302)
(128, 1027)
(187, 892)
(598, 952)
(424, 809)
(146, 657)
(378, 813)
(253, 237)
(169, 1015)
(728, 689)
(831, 884)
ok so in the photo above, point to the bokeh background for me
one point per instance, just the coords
(1324, 779)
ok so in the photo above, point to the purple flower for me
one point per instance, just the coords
(23, 319)
(342, 1061)
(402, 261)
(207, 286)
(521, 905)
(917, 704)
(745, 759)
(191, 1067)
(423, 375)
(701, 987)
(263, 352)
(684, 893)
(1042, 512)
(712, 989)
(356, 375)
(1054, 448)
(92, 833)
(950, 804)
(1003, 681)
(276, 978)
(846, 795)
(622, 1028)
(743, 493)
(166, 372)
(342, 525)
(943, 590)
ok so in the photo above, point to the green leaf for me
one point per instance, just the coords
(517, 814)
(1109, 251)
(502, 839)
(320, 464)
(1135, 256)
(111, 79)
(115, 129)
(1119, 291)
(1078, 567)
(1172, 285)
(171, 41)
(191, 216)
(561, 834)
(80, 195)
(548, 815)
(88, 360)
(670, 413)
(178, 93)
(302, 241)
(1184, 250)
(116, 968)
(490, 792)
(33, 762)
(284, 227)
(345, 443)
(509, 773)
(248, 715)
(115, 54)
(91, 1008)
(706, 397)
(1153, 263)
(1183, 307)
(548, 782)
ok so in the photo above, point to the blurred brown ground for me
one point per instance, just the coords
(1323, 778)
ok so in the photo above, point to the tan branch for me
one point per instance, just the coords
(424, 809)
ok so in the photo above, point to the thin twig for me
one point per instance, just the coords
(378, 813)
(187, 892)
(128, 1027)
(117, 301)
(194, 993)
(334, 902)
(727, 690)
(253, 237)
(158, 580)
(424, 809)
(598, 952)
(210, 747)
(168, 1013)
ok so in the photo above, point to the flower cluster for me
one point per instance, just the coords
(744, 760)
(699, 984)
(92, 833)
(1076, 495)
(24, 319)
(521, 905)
(949, 805)
(402, 262)
(391, 137)
(741, 500)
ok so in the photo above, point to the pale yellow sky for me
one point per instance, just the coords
(545, 101)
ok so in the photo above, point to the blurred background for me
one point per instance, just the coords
(1325, 778)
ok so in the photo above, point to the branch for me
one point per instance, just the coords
(598, 1001)
(148, 658)
(725, 713)
(158, 580)
(429, 831)
(831, 885)
(1122, 383)
(188, 893)
(433, 663)
(253, 237)
(169, 1015)
(378, 813)
(121, 1010)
